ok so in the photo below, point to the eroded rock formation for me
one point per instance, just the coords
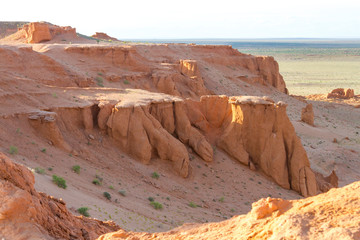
(149, 128)
(341, 93)
(27, 214)
(255, 131)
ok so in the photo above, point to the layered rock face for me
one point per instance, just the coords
(257, 133)
(27, 214)
(146, 130)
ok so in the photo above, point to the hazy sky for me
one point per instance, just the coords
(196, 18)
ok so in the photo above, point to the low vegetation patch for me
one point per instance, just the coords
(13, 150)
(76, 169)
(155, 175)
(59, 181)
(156, 205)
(39, 170)
(99, 81)
(84, 211)
(107, 195)
(96, 181)
(193, 205)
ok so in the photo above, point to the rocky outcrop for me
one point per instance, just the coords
(44, 123)
(307, 115)
(27, 214)
(37, 32)
(332, 215)
(189, 68)
(258, 133)
(324, 184)
(103, 36)
(341, 93)
(269, 69)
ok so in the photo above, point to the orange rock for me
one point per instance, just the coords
(307, 115)
(267, 206)
(37, 32)
(146, 129)
(326, 183)
(331, 215)
(189, 68)
(45, 125)
(27, 214)
(341, 93)
(257, 133)
(103, 36)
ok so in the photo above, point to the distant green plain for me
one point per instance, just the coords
(315, 70)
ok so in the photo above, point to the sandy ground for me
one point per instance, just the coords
(215, 191)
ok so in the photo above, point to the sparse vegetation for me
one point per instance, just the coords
(111, 187)
(59, 181)
(43, 150)
(156, 205)
(151, 199)
(13, 150)
(126, 82)
(39, 170)
(76, 169)
(193, 205)
(96, 181)
(222, 199)
(99, 81)
(84, 211)
(107, 195)
(155, 175)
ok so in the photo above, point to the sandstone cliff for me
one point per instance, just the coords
(257, 133)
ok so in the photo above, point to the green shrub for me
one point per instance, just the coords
(156, 205)
(84, 211)
(107, 195)
(99, 81)
(39, 170)
(59, 181)
(96, 182)
(222, 199)
(111, 187)
(43, 150)
(155, 175)
(151, 199)
(76, 169)
(126, 82)
(193, 205)
(13, 150)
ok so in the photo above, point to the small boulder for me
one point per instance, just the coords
(307, 115)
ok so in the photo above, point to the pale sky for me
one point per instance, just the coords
(159, 19)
